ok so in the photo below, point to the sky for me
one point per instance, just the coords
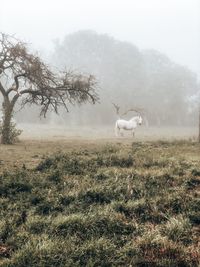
(169, 26)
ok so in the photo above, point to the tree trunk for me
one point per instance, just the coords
(6, 125)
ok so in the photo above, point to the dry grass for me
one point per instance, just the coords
(39, 140)
(99, 202)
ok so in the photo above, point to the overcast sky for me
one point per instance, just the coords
(170, 26)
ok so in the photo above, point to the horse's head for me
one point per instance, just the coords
(137, 119)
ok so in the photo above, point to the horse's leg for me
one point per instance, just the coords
(121, 132)
(117, 130)
(133, 133)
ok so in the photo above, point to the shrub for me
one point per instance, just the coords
(14, 133)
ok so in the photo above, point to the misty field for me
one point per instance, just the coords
(99, 203)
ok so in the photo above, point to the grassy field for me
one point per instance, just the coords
(99, 203)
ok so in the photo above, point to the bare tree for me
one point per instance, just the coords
(139, 111)
(117, 108)
(25, 76)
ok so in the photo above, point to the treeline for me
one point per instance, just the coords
(129, 77)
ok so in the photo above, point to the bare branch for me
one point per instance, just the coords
(2, 90)
(15, 86)
(117, 108)
(140, 111)
(137, 110)
(38, 84)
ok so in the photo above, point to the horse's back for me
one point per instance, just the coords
(123, 124)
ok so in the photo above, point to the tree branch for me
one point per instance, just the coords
(137, 110)
(33, 79)
(16, 87)
(2, 90)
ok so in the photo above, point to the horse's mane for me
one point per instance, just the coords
(134, 117)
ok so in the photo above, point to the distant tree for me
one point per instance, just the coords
(194, 104)
(168, 86)
(130, 77)
(25, 76)
(118, 66)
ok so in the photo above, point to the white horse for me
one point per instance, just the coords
(130, 125)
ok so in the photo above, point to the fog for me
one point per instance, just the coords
(171, 27)
(143, 53)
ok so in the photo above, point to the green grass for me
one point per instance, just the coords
(131, 205)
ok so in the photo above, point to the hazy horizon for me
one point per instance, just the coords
(171, 27)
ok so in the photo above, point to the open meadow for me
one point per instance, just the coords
(94, 200)
(100, 133)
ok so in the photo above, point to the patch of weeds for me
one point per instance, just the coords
(69, 225)
(91, 225)
(195, 172)
(48, 207)
(96, 252)
(110, 148)
(153, 185)
(37, 224)
(178, 229)
(194, 217)
(138, 146)
(123, 161)
(45, 164)
(40, 252)
(192, 183)
(150, 162)
(100, 176)
(99, 196)
(176, 204)
(17, 240)
(66, 200)
(73, 166)
(14, 184)
(139, 209)
(35, 200)
(55, 176)
(156, 250)
(6, 230)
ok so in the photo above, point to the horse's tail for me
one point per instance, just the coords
(116, 129)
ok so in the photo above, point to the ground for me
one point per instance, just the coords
(86, 198)
(39, 140)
